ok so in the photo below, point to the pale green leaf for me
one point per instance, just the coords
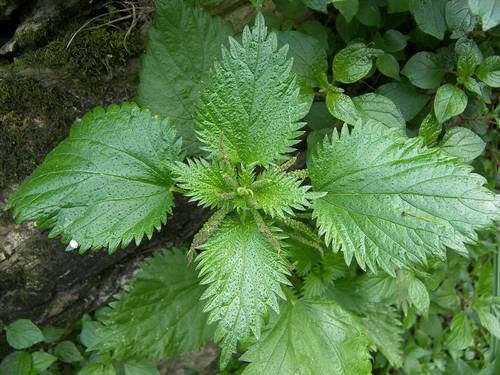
(310, 336)
(348, 8)
(391, 202)
(16, 363)
(41, 361)
(430, 129)
(459, 18)
(107, 183)
(353, 62)
(430, 16)
(460, 336)
(23, 333)
(159, 314)
(252, 99)
(98, 369)
(388, 66)
(424, 70)
(488, 11)
(489, 71)
(449, 101)
(244, 273)
(462, 143)
(182, 46)
(67, 352)
(342, 107)
(408, 100)
(418, 295)
(90, 333)
(377, 108)
(490, 320)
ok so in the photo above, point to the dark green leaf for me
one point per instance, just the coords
(388, 66)
(424, 70)
(41, 361)
(430, 16)
(23, 333)
(16, 363)
(67, 352)
(368, 13)
(459, 18)
(347, 8)
(397, 6)
(394, 41)
(140, 368)
(407, 99)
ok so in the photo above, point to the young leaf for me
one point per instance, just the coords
(430, 16)
(408, 100)
(489, 71)
(388, 66)
(107, 183)
(391, 202)
(252, 99)
(488, 11)
(430, 129)
(342, 107)
(381, 110)
(462, 143)
(424, 71)
(449, 101)
(353, 62)
(23, 333)
(310, 336)
(244, 273)
(460, 336)
(159, 314)
(459, 18)
(183, 44)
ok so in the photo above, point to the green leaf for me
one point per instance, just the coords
(244, 273)
(424, 71)
(488, 11)
(394, 41)
(252, 99)
(310, 336)
(52, 334)
(397, 6)
(490, 319)
(183, 44)
(391, 202)
(489, 71)
(430, 129)
(98, 369)
(449, 101)
(473, 86)
(159, 314)
(418, 295)
(459, 18)
(462, 143)
(319, 5)
(140, 368)
(388, 66)
(466, 65)
(353, 62)
(309, 58)
(107, 183)
(408, 100)
(377, 108)
(460, 336)
(16, 363)
(430, 16)
(342, 107)
(348, 8)
(368, 13)
(384, 329)
(90, 334)
(42, 360)
(23, 333)
(67, 352)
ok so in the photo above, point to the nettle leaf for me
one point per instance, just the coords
(244, 274)
(462, 143)
(310, 336)
(489, 71)
(488, 11)
(449, 101)
(107, 183)
(183, 44)
(424, 70)
(388, 66)
(377, 108)
(391, 202)
(252, 98)
(408, 100)
(353, 62)
(430, 16)
(459, 18)
(430, 129)
(159, 314)
(342, 107)
(460, 336)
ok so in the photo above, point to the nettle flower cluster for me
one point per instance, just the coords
(272, 243)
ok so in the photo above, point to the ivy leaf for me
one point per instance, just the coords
(459, 18)
(310, 336)
(424, 71)
(391, 202)
(430, 16)
(449, 101)
(489, 71)
(159, 314)
(23, 333)
(353, 62)
(342, 107)
(183, 44)
(430, 129)
(252, 99)
(388, 66)
(462, 143)
(381, 110)
(244, 274)
(107, 183)
(488, 11)
(460, 336)
(408, 100)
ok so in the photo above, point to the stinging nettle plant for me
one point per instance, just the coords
(258, 273)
